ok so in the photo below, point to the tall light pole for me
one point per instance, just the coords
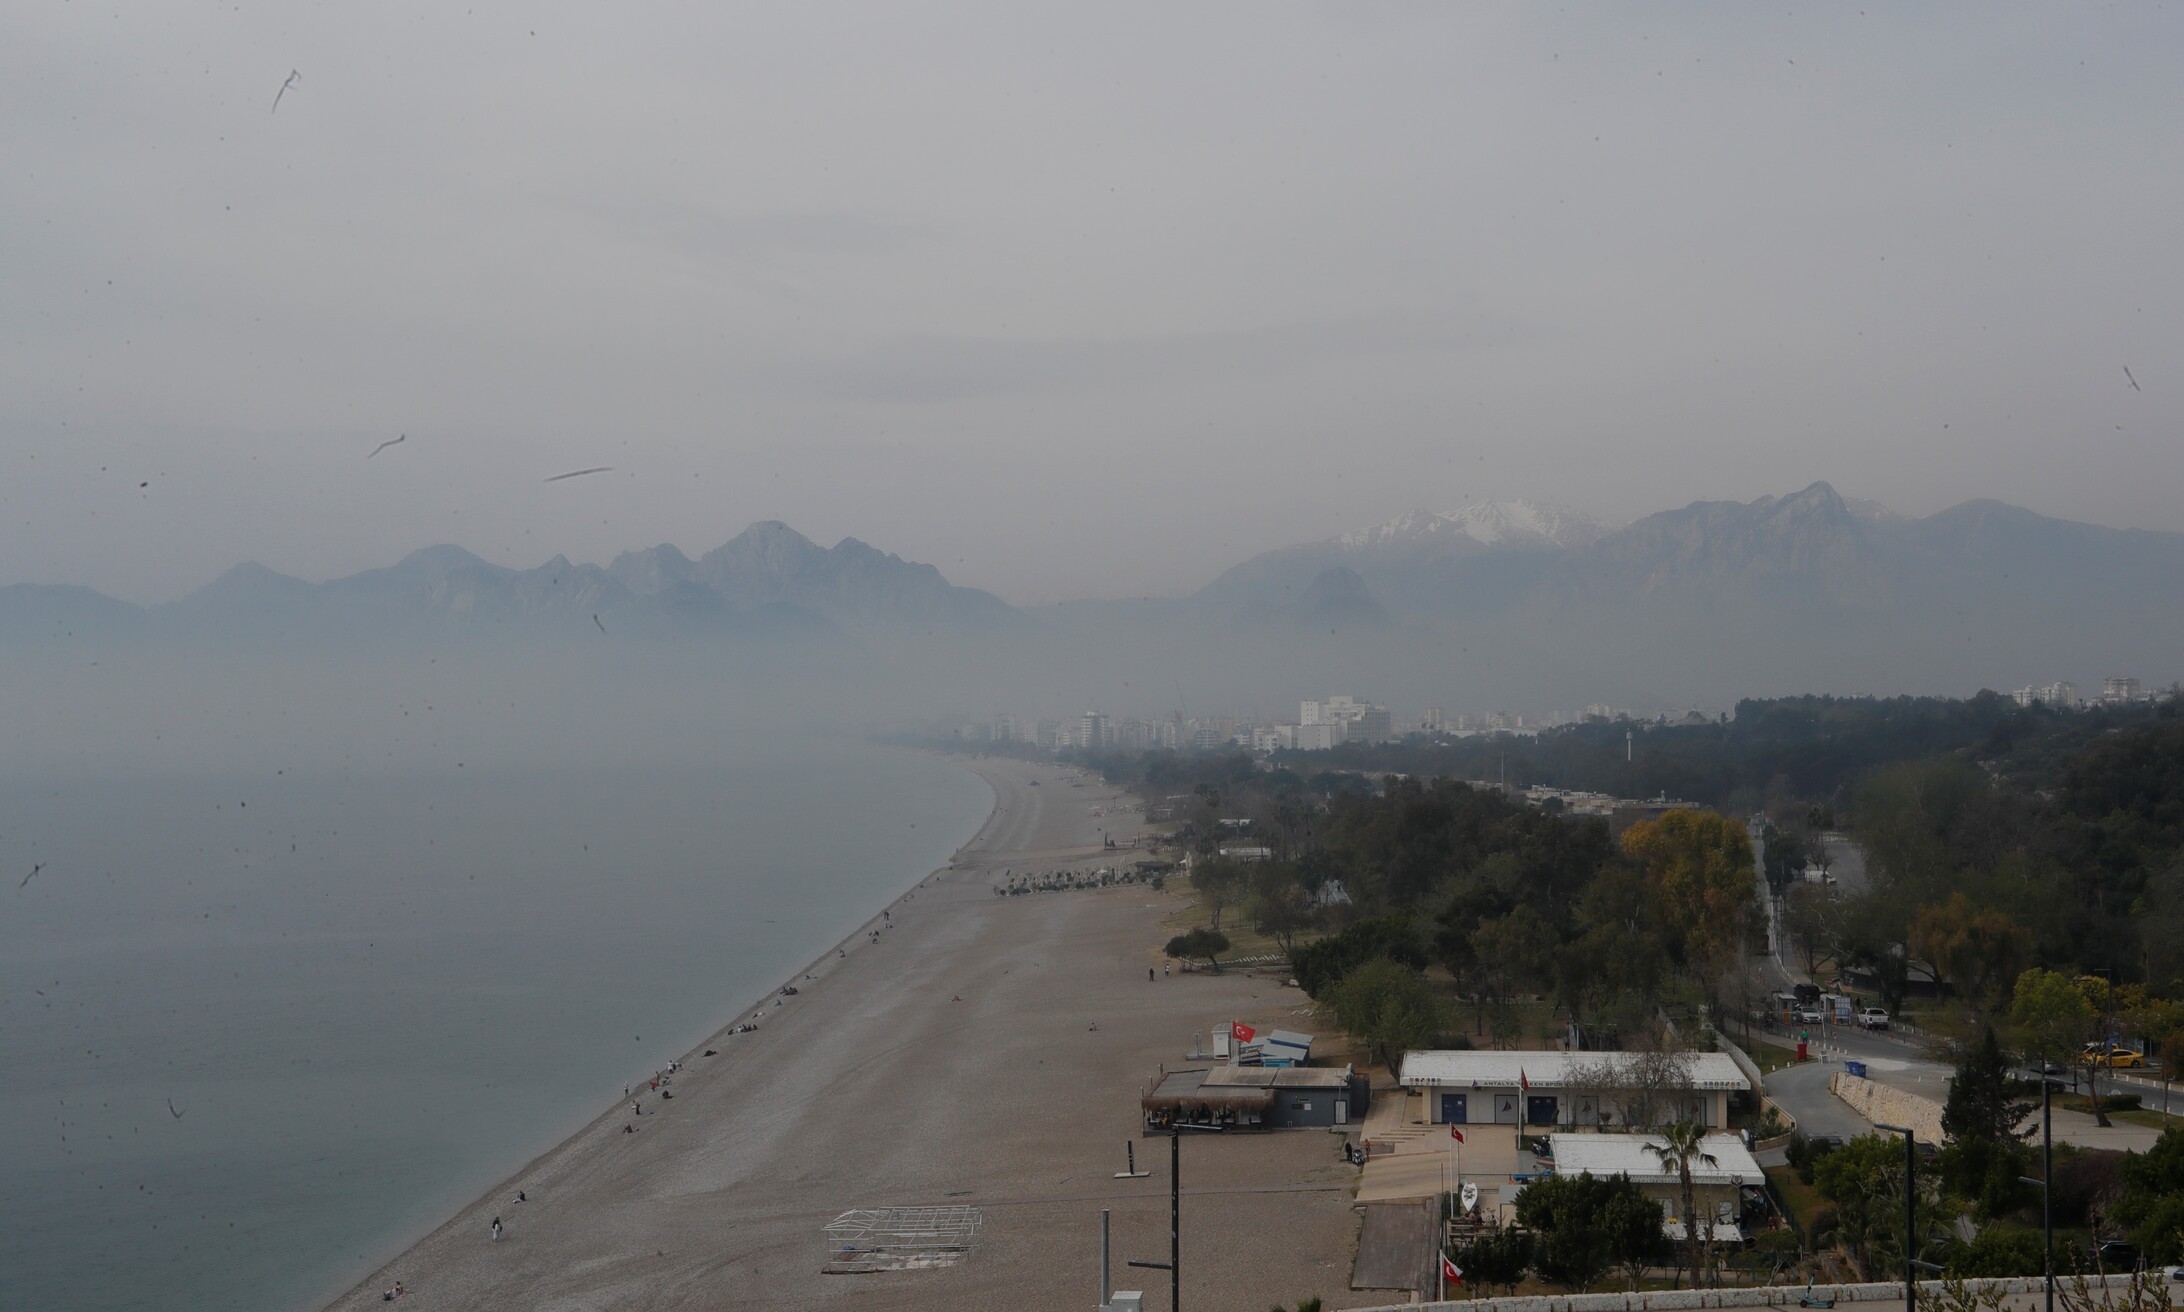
(2047, 1173)
(1911, 1262)
(1174, 1265)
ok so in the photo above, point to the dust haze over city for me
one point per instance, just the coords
(440, 423)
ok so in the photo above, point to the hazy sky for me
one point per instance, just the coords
(1089, 300)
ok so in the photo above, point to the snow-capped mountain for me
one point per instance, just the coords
(1488, 523)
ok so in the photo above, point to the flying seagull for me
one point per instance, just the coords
(293, 78)
(392, 441)
(602, 627)
(171, 1109)
(2129, 379)
(579, 473)
(32, 875)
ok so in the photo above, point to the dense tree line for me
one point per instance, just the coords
(1812, 748)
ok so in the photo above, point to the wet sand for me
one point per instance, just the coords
(877, 1087)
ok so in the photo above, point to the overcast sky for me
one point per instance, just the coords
(1076, 301)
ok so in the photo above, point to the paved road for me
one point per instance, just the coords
(1803, 1092)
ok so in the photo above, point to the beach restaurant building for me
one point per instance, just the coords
(1720, 1175)
(1560, 1090)
(1255, 1098)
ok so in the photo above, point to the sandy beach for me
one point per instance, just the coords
(983, 1051)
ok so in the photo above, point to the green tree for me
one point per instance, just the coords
(1806, 921)
(1320, 966)
(1976, 949)
(2152, 1205)
(1997, 1252)
(1635, 1237)
(1681, 1144)
(1279, 903)
(1514, 951)
(1496, 1260)
(1200, 942)
(2054, 1020)
(1985, 1160)
(1387, 1006)
(1573, 1248)
(1864, 1179)
(1219, 881)
(1980, 1107)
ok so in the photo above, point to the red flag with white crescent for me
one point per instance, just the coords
(1522, 1082)
(1451, 1272)
(1241, 1031)
(1455, 1133)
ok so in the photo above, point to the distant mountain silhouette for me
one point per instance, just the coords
(1509, 604)
(852, 584)
(769, 584)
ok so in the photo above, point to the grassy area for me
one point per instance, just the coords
(1770, 1058)
(1185, 913)
(1800, 1201)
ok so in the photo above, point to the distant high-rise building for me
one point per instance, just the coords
(1360, 721)
(2119, 688)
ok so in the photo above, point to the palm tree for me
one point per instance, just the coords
(1681, 1144)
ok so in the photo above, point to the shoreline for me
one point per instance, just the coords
(983, 1052)
(345, 1291)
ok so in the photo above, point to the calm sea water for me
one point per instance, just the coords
(258, 1032)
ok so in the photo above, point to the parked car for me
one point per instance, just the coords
(2117, 1255)
(1811, 1016)
(1873, 1018)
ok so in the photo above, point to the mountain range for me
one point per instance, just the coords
(1511, 601)
(769, 583)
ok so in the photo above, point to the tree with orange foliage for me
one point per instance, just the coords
(1976, 950)
(1698, 871)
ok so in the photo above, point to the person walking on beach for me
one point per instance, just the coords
(496, 1229)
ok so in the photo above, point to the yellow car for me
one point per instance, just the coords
(2117, 1058)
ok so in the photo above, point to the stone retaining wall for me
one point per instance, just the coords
(1680, 1300)
(1883, 1105)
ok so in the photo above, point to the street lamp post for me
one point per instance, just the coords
(2047, 1173)
(1910, 1215)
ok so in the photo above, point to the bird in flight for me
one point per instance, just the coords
(579, 473)
(293, 78)
(392, 441)
(32, 875)
(2129, 379)
(172, 1110)
(602, 627)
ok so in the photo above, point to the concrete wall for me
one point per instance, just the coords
(1675, 1300)
(1887, 1106)
(1744, 1063)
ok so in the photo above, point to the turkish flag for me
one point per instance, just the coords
(1523, 1083)
(1240, 1031)
(1451, 1272)
(1454, 1133)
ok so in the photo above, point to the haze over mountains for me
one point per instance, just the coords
(1497, 603)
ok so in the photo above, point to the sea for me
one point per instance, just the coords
(260, 1031)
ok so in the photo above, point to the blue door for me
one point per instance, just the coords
(1452, 1109)
(1539, 1109)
